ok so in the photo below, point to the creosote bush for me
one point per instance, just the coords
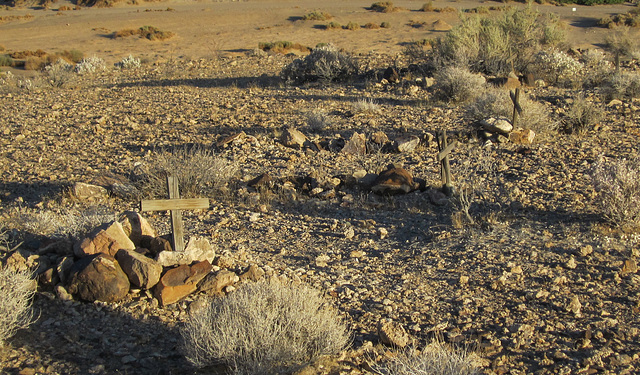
(618, 185)
(323, 64)
(282, 47)
(458, 84)
(496, 45)
(436, 358)
(383, 6)
(16, 291)
(200, 173)
(266, 327)
(352, 26)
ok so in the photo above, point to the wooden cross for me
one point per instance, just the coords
(517, 109)
(443, 158)
(175, 205)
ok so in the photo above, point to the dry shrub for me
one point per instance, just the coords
(90, 65)
(383, 7)
(6, 60)
(458, 84)
(385, 25)
(427, 7)
(371, 26)
(597, 69)
(59, 224)
(621, 42)
(266, 327)
(16, 291)
(199, 171)
(333, 25)
(319, 121)
(59, 73)
(583, 115)
(618, 185)
(494, 102)
(129, 62)
(557, 67)
(352, 26)
(435, 358)
(282, 47)
(317, 16)
(34, 63)
(148, 32)
(621, 85)
(323, 64)
(366, 106)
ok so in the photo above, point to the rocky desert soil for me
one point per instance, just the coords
(540, 283)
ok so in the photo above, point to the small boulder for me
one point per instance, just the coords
(88, 192)
(407, 143)
(98, 278)
(378, 138)
(356, 145)
(293, 138)
(522, 136)
(394, 181)
(393, 334)
(497, 125)
(197, 249)
(135, 226)
(181, 281)
(440, 25)
(155, 245)
(142, 272)
(107, 239)
(215, 283)
(254, 273)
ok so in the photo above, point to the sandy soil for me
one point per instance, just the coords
(204, 28)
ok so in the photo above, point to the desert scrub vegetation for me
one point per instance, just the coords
(557, 68)
(622, 85)
(333, 25)
(457, 85)
(58, 223)
(282, 47)
(620, 42)
(59, 73)
(16, 291)
(147, 32)
(582, 115)
(435, 358)
(351, 26)
(319, 121)
(631, 19)
(317, 16)
(384, 7)
(129, 62)
(200, 172)
(323, 64)
(268, 327)
(494, 102)
(366, 105)
(479, 42)
(617, 183)
(90, 65)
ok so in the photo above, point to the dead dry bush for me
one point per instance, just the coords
(435, 358)
(58, 224)
(323, 64)
(266, 327)
(148, 32)
(317, 16)
(199, 171)
(16, 291)
(458, 85)
(583, 115)
(494, 102)
(384, 7)
(622, 85)
(617, 183)
(282, 47)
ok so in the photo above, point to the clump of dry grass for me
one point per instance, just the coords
(631, 19)
(427, 7)
(458, 84)
(384, 7)
(148, 32)
(333, 25)
(371, 26)
(366, 105)
(435, 358)
(16, 291)
(200, 173)
(59, 224)
(352, 26)
(265, 328)
(319, 121)
(618, 185)
(621, 85)
(493, 102)
(583, 115)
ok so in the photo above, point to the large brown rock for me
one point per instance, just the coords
(394, 181)
(393, 334)
(181, 281)
(98, 278)
(522, 136)
(293, 138)
(155, 245)
(142, 272)
(135, 226)
(356, 145)
(107, 239)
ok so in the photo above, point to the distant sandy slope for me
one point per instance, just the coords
(204, 27)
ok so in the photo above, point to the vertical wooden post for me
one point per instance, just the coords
(176, 215)
(443, 157)
(515, 98)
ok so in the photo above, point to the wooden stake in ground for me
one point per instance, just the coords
(443, 159)
(175, 205)
(517, 109)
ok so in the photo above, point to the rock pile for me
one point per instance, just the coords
(126, 255)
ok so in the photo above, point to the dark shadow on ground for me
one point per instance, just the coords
(30, 193)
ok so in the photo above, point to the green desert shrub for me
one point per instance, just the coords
(494, 102)
(6, 60)
(496, 45)
(458, 84)
(436, 358)
(617, 182)
(16, 291)
(266, 327)
(324, 64)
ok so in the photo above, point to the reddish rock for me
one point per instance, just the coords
(135, 226)
(181, 281)
(394, 181)
(522, 136)
(107, 239)
(98, 278)
(142, 272)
